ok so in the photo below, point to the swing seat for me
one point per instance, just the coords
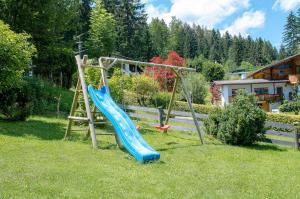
(138, 127)
(163, 128)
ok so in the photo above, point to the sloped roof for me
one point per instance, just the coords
(276, 63)
(248, 81)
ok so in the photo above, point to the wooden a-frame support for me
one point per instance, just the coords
(178, 79)
(110, 62)
(81, 87)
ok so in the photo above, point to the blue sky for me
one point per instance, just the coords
(258, 18)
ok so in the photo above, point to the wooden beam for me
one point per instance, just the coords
(125, 61)
(188, 99)
(172, 100)
(86, 100)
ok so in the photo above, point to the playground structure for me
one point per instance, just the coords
(125, 131)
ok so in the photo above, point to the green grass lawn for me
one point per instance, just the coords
(36, 163)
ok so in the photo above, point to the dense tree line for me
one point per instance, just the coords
(110, 27)
(192, 41)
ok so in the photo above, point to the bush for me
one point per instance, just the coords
(145, 88)
(18, 103)
(93, 76)
(15, 56)
(197, 85)
(293, 106)
(196, 63)
(34, 97)
(213, 71)
(241, 123)
(161, 99)
(212, 124)
(118, 84)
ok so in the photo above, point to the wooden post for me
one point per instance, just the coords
(86, 101)
(105, 83)
(188, 99)
(296, 135)
(172, 100)
(58, 106)
(104, 75)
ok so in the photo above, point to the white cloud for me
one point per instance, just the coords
(158, 12)
(286, 5)
(202, 12)
(145, 1)
(248, 21)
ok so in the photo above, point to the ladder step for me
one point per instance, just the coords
(79, 129)
(78, 118)
(82, 101)
(85, 112)
(100, 122)
(105, 134)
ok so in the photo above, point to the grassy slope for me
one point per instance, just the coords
(35, 163)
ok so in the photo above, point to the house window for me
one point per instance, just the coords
(298, 70)
(279, 90)
(281, 72)
(261, 91)
(235, 91)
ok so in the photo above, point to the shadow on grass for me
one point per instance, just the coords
(178, 137)
(34, 127)
(265, 147)
(177, 147)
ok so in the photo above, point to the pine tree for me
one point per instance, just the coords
(85, 14)
(226, 43)
(159, 35)
(282, 52)
(236, 50)
(189, 42)
(131, 27)
(291, 34)
(102, 31)
(216, 52)
(202, 43)
(176, 42)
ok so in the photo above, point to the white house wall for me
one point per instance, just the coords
(226, 90)
(224, 95)
(286, 90)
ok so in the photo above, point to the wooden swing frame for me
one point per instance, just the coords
(106, 63)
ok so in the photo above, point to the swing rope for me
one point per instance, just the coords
(122, 88)
(162, 114)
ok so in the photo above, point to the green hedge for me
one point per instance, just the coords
(283, 118)
(199, 108)
(206, 109)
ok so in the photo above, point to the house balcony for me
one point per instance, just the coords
(264, 97)
(294, 79)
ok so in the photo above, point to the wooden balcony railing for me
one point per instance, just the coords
(294, 79)
(264, 97)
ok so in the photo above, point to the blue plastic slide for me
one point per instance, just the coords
(124, 127)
